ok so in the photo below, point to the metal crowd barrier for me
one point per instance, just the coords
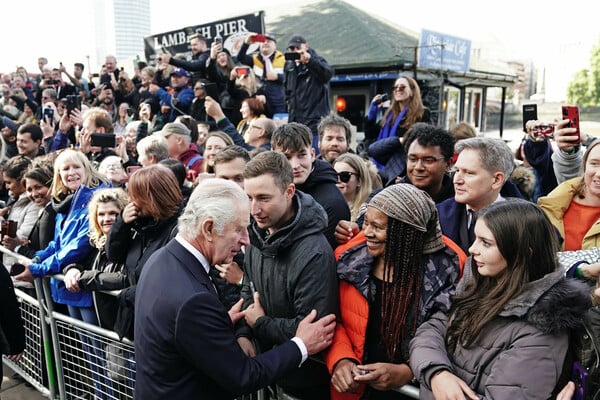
(66, 358)
(36, 364)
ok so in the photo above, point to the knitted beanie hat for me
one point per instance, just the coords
(406, 203)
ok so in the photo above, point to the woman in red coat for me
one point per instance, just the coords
(389, 285)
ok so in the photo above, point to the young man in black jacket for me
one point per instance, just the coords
(312, 176)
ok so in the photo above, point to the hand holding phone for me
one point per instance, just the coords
(292, 55)
(242, 71)
(572, 114)
(103, 140)
(73, 102)
(529, 114)
(49, 115)
(259, 38)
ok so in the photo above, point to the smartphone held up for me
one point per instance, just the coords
(572, 114)
(292, 55)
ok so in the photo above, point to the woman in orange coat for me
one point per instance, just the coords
(389, 285)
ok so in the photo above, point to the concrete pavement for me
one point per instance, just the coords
(16, 389)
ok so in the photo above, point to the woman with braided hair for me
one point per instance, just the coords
(389, 285)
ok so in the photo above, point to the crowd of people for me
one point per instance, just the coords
(255, 252)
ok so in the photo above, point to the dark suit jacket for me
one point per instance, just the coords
(185, 347)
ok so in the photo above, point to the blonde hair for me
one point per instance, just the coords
(92, 177)
(109, 195)
(365, 182)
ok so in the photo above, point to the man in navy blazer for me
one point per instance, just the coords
(481, 177)
(185, 345)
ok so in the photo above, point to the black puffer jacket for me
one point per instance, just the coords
(132, 244)
(307, 90)
(294, 271)
(320, 184)
(519, 354)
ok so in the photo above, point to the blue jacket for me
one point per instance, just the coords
(71, 244)
(180, 99)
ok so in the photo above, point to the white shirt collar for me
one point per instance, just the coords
(195, 252)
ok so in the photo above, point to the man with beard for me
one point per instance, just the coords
(106, 101)
(335, 135)
(200, 54)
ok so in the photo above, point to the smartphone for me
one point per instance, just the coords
(132, 168)
(73, 102)
(242, 71)
(292, 55)
(104, 140)
(572, 114)
(212, 90)
(259, 37)
(218, 39)
(529, 114)
(17, 269)
(49, 115)
(578, 376)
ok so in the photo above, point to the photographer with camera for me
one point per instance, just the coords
(306, 82)
(81, 84)
(63, 89)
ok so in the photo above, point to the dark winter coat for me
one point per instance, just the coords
(519, 354)
(42, 232)
(294, 271)
(320, 184)
(104, 275)
(12, 334)
(132, 244)
(307, 90)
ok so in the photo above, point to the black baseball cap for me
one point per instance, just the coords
(296, 41)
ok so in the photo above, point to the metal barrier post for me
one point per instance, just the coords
(60, 378)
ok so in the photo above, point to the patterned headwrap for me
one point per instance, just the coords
(406, 203)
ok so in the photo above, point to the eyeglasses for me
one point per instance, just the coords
(399, 88)
(199, 87)
(345, 176)
(428, 160)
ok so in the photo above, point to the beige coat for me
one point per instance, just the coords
(557, 203)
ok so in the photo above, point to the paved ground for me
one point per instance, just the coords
(13, 389)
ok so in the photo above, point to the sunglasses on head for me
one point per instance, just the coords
(345, 176)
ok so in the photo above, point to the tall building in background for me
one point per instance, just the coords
(121, 26)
